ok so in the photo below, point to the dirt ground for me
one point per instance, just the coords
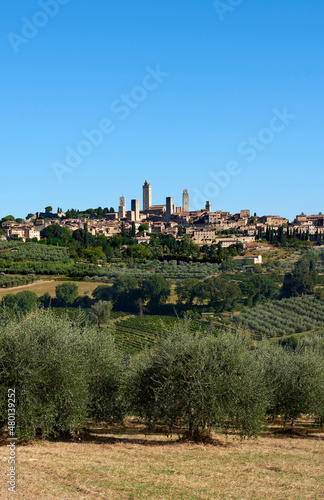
(42, 286)
(123, 463)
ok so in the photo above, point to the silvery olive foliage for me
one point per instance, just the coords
(63, 374)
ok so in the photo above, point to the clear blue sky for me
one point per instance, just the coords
(227, 73)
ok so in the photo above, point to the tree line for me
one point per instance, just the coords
(290, 237)
(188, 382)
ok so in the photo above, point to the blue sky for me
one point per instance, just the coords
(187, 94)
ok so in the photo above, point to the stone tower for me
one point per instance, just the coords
(136, 209)
(147, 195)
(169, 206)
(122, 207)
(185, 201)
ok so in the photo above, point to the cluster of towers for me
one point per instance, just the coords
(135, 209)
(134, 214)
(147, 200)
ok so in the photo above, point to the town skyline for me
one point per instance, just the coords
(123, 204)
(143, 217)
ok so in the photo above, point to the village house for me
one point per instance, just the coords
(273, 220)
(251, 259)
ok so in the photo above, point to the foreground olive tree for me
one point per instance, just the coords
(107, 368)
(191, 383)
(294, 379)
(62, 374)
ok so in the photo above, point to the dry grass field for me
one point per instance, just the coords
(173, 296)
(123, 463)
(42, 286)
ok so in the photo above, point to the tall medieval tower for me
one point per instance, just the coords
(185, 201)
(147, 195)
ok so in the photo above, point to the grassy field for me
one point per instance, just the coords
(173, 296)
(42, 286)
(123, 463)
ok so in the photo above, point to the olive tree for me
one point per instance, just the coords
(107, 369)
(192, 383)
(100, 311)
(294, 381)
(62, 373)
(42, 359)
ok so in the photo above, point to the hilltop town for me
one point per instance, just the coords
(204, 226)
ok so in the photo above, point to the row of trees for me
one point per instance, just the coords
(90, 212)
(35, 252)
(10, 281)
(219, 293)
(222, 294)
(130, 294)
(286, 236)
(151, 293)
(190, 383)
(126, 294)
(17, 306)
(49, 268)
(173, 269)
(283, 317)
